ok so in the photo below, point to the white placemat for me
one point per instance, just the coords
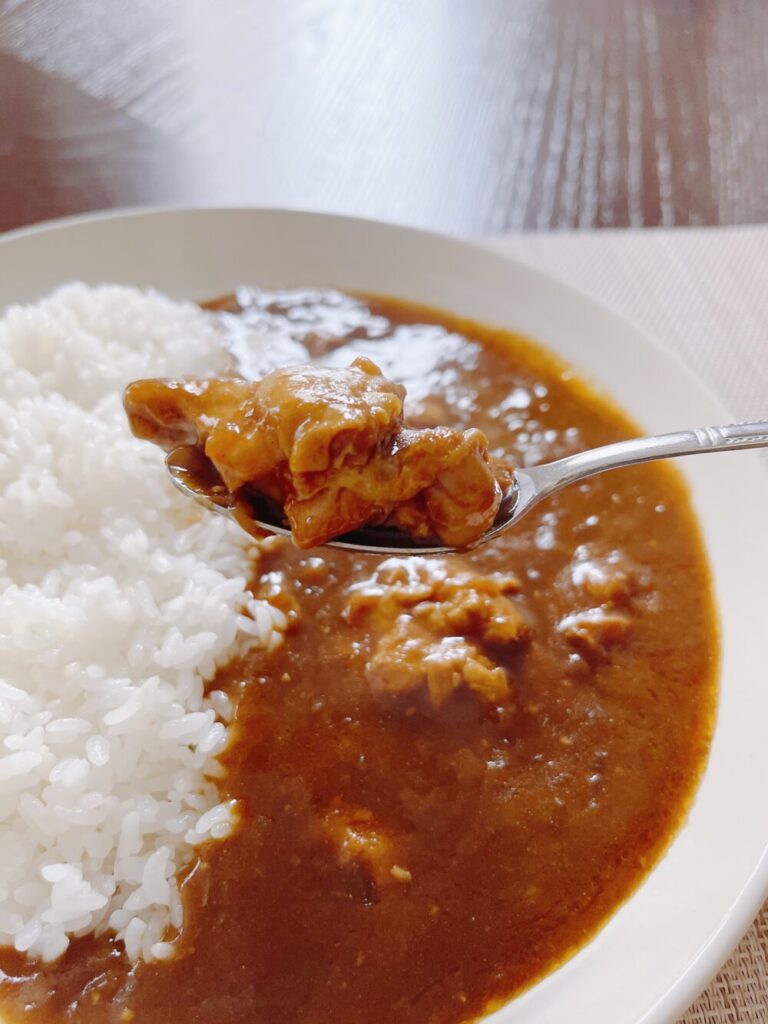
(703, 293)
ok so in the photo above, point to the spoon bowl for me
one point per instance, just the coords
(194, 475)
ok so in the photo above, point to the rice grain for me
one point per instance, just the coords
(119, 599)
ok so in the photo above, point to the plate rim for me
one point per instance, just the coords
(120, 213)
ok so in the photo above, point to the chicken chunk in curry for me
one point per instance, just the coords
(329, 447)
(436, 623)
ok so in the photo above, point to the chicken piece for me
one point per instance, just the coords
(431, 620)
(329, 446)
(608, 578)
(473, 605)
(309, 418)
(446, 594)
(409, 658)
(614, 587)
(457, 506)
(594, 631)
(361, 843)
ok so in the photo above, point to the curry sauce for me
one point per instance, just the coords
(453, 770)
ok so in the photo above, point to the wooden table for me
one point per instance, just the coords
(464, 115)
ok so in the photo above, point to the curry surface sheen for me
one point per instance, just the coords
(409, 864)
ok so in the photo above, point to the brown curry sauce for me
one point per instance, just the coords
(405, 863)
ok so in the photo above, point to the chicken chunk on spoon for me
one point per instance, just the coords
(329, 448)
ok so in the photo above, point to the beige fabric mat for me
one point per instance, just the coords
(704, 293)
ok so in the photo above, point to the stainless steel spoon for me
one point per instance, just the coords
(191, 473)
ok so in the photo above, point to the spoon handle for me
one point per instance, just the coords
(554, 475)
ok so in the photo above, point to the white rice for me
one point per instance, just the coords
(118, 601)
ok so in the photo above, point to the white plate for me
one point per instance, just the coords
(660, 949)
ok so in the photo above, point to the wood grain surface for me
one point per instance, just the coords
(463, 115)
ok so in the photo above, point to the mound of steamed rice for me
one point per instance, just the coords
(118, 601)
